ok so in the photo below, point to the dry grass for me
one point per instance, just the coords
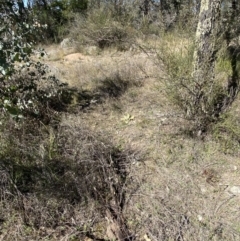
(184, 183)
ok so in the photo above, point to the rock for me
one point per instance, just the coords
(92, 50)
(235, 190)
(66, 43)
(146, 238)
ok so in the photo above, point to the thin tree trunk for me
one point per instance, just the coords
(145, 8)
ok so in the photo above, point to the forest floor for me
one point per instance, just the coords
(188, 187)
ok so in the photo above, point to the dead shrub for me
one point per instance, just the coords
(101, 171)
(100, 28)
(227, 133)
(114, 86)
(200, 101)
(50, 172)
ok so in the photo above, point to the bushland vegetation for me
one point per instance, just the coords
(128, 129)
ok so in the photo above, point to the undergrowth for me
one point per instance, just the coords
(102, 29)
(200, 102)
(47, 173)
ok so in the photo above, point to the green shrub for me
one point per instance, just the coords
(27, 88)
(56, 15)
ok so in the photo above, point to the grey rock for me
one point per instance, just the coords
(67, 43)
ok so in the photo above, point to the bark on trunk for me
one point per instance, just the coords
(204, 103)
(206, 40)
(233, 82)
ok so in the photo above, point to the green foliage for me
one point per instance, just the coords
(54, 16)
(224, 65)
(25, 86)
(78, 5)
(57, 14)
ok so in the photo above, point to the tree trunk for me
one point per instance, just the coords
(205, 107)
(206, 40)
(145, 7)
(233, 50)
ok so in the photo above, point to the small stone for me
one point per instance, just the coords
(235, 190)
(146, 237)
(235, 168)
(200, 218)
(203, 190)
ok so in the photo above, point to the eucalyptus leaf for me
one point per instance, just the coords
(20, 83)
(2, 71)
(13, 111)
